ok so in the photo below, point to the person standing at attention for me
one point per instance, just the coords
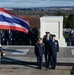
(39, 51)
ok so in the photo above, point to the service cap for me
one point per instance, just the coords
(47, 32)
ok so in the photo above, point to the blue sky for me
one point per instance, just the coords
(35, 3)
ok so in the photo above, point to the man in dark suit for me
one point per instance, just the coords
(39, 51)
(55, 49)
(47, 41)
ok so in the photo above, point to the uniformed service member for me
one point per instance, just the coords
(10, 37)
(55, 49)
(71, 35)
(2, 37)
(1, 52)
(39, 51)
(47, 41)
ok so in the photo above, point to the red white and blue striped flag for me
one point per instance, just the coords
(9, 21)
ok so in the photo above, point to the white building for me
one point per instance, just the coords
(53, 24)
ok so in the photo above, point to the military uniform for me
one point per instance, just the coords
(71, 35)
(72, 40)
(39, 51)
(10, 38)
(2, 37)
(55, 49)
(34, 36)
(47, 42)
(1, 52)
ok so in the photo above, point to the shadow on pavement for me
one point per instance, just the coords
(11, 61)
(10, 50)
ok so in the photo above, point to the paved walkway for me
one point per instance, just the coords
(32, 71)
(21, 60)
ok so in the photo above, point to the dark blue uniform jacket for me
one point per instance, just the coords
(39, 49)
(48, 44)
(55, 47)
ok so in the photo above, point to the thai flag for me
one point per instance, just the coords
(9, 21)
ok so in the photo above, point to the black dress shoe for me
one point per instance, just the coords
(47, 66)
(52, 67)
(39, 67)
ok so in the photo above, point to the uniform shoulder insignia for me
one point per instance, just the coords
(35, 43)
(44, 36)
(43, 43)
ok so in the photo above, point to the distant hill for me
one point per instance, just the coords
(34, 14)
